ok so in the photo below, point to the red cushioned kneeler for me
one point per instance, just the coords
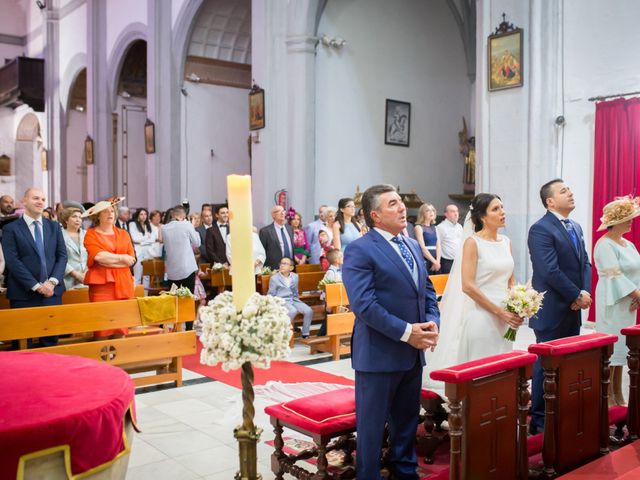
(322, 417)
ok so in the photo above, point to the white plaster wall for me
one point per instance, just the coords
(13, 20)
(35, 30)
(408, 50)
(600, 58)
(8, 51)
(216, 119)
(176, 6)
(73, 41)
(75, 172)
(121, 13)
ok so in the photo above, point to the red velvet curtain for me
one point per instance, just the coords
(616, 171)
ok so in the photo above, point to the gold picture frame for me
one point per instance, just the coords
(256, 108)
(149, 137)
(505, 60)
(88, 150)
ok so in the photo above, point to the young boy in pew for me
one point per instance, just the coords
(284, 284)
(334, 272)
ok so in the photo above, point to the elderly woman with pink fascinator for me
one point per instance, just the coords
(618, 290)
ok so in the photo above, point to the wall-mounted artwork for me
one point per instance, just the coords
(256, 108)
(88, 150)
(149, 137)
(505, 57)
(397, 125)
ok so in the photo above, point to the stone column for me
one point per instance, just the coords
(164, 168)
(100, 174)
(52, 99)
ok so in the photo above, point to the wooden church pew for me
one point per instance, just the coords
(576, 381)
(71, 297)
(160, 353)
(488, 401)
(339, 324)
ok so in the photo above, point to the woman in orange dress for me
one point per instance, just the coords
(110, 256)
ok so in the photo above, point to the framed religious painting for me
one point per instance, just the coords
(505, 60)
(397, 124)
(88, 150)
(256, 108)
(149, 137)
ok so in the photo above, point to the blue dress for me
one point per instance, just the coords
(350, 234)
(430, 236)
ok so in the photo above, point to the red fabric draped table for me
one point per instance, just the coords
(52, 403)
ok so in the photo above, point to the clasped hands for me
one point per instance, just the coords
(582, 302)
(46, 289)
(423, 336)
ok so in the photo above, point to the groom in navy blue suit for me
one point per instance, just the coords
(561, 268)
(36, 258)
(397, 318)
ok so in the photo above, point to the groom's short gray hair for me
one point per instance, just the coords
(371, 200)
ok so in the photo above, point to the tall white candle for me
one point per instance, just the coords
(241, 229)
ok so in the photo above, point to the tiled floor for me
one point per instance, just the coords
(188, 431)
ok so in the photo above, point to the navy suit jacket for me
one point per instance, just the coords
(559, 270)
(23, 263)
(384, 298)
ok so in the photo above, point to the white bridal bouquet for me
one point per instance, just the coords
(525, 302)
(258, 334)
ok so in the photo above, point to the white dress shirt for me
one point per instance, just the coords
(278, 229)
(180, 238)
(32, 229)
(450, 238)
(259, 255)
(414, 274)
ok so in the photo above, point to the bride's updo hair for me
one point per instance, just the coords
(478, 208)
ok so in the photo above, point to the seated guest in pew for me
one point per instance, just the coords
(143, 240)
(73, 234)
(301, 246)
(326, 245)
(277, 238)
(259, 255)
(110, 256)
(334, 272)
(180, 242)
(618, 288)
(36, 258)
(284, 284)
(312, 231)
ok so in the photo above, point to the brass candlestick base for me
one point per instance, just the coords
(247, 434)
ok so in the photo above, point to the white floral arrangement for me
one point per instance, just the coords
(525, 302)
(217, 267)
(178, 291)
(258, 334)
(267, 271)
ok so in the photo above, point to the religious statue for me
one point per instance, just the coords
(467, 147)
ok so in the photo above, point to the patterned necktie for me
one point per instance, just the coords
(285, 244)
(404, 251)
(40, 248)
(572, 233)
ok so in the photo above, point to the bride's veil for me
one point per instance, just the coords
(453, 307)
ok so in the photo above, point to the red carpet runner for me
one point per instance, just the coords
(285, 372)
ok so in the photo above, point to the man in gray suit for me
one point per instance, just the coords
(207, 220)
(312, 235)
(277, 239)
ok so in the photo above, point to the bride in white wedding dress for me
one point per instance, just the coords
(473, 320)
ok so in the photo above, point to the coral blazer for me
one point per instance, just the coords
(120, 244)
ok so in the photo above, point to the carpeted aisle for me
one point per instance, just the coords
(285, 372)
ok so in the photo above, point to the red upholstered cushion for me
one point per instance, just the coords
(441, 475)
(579, 343)
(631, 331)
(534, 444)
(429, 395)
(323, 414)
(617, 414)
(484, 367)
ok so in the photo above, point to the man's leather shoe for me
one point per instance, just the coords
(533, 430)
